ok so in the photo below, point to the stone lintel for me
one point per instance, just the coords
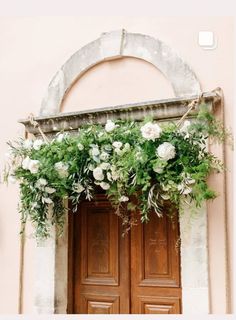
(166, 109)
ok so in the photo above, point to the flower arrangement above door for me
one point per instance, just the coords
(146, 163)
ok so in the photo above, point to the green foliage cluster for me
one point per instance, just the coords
(138, 164)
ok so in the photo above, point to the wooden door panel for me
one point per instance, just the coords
(155, 270)
(159, 305)
(101, 281)
(154, 246)
(97, 304)
(138, 273)
(99, 245)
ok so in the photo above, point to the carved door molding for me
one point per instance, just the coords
(112, 274)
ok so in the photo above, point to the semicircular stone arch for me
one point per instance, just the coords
(115, 45)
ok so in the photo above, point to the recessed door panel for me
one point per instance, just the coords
(101, 260)
(112, 274)
(155, 271)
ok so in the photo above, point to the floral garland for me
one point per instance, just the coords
(140, 164)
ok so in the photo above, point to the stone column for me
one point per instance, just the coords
(52, 274)
(194, 261)
(45, 276)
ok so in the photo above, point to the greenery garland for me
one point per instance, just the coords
(140, 164)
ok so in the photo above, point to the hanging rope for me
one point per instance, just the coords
(34, 123)
(191, 106)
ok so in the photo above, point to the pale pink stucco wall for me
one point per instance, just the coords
(33, 49)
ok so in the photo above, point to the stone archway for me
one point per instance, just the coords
(51, 286)
(115, 45)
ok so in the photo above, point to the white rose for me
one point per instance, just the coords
(166, 151)
(104, 185)
(41, 183)
(25, 163)
(80, 146)
(105, 165)
(50, 190)
(151, 131)
(124, 199)
(104, 156)
(62, 169)
(34, 166)
(28, 144)
(98, 173)
(37, 144)
(95, 151)
(117, 144)
(110, 126)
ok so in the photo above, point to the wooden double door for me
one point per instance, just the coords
(138, 273)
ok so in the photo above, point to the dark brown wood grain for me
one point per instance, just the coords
(155, 267)
(101, 260)
(112, 274)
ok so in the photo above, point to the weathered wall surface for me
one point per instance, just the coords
(33, 49)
